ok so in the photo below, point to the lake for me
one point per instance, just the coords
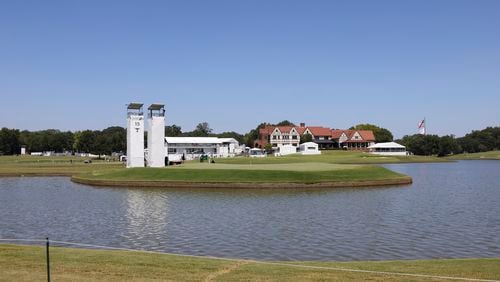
(452, 210)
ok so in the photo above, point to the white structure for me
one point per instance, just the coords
(23, 150)
(257, 153)
(309, 148)
(156, 136)
(135, 135)
(189, 148)
(284, 150)
(388, 148)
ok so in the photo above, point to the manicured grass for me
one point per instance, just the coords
(46, 166)
(285, 166)
(491, 155)
(27, 263)
(333, 157)
(327, 161)
(254, 175)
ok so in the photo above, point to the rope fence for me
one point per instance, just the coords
(283, 264)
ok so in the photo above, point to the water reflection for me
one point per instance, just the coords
(147, 218)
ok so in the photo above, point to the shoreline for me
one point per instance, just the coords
(27, 263)
(37, 174)
(404, 180)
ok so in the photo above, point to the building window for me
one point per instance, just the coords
(172, 150)
(294, 137)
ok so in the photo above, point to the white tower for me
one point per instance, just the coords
(135, 135)
(156, 135)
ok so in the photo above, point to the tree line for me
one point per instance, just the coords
(114, 139)
(484, 140)
(99, 142)
(111, 139)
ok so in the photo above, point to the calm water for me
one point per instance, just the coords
(452, 210)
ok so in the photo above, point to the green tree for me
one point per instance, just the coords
(306, 138)
(268, 148)
(86, 141)
(201, 130)
(173, 130)
(285, 123)
(424, 145)
(381, 134)
(114, 138)
(447, 146)
(9, 141)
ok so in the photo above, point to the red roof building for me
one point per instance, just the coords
(326, 138)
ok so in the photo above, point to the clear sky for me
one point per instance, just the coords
(73, 65)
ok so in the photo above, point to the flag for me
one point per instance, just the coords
(421, 127)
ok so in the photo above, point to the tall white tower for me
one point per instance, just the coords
(156, 135)
(135, 135)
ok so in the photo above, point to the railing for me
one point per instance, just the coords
(135, 114)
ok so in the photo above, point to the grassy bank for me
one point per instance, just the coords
(247, 176)
(51, 166)
(27, 263)
(491, 155)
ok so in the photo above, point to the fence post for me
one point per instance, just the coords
(48, 259)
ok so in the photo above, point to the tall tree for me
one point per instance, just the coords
(9, 141)
(114, 139)
(86, 141)
(285, 123)
(173, 130)
(306, 138)
(202, 129)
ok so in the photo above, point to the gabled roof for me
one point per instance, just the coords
(366, 135)
(301, 129)
(336, 133)
(285, 129)
(269, 129)
(320, 131)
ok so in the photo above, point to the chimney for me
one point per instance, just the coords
(302, 124)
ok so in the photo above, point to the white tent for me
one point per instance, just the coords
(188, 148)
(309, 148)
(286, 150)
(388, 148)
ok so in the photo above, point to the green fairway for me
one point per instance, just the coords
(27, 263)
(491, 155)
(309, 166)
(333, 157)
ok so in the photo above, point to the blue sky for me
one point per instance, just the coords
(74, 65)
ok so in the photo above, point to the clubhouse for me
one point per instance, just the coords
(326, 138)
